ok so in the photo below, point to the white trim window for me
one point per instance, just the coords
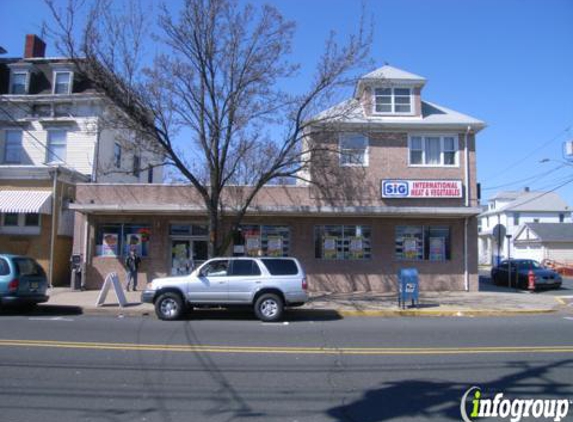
(19, 82)
(21, 224)
(57, 140)
(13, 147)
(433, 150)
(62, 82)
(353, 149)
(393, 101)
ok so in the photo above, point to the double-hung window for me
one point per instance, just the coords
(433, 150)
(353, 149)
(136, 165)
(57, 140)
(117, 155)
(13, 147)
(393, 100)
(19, 83)
(62, 82)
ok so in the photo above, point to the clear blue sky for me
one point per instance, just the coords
(509, 63)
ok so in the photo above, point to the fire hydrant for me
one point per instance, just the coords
(531, 281)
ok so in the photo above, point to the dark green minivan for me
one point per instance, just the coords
(22, 281)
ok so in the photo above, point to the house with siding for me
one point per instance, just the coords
(395, 188)
(512, 210)
(545, 241)
(52, 136)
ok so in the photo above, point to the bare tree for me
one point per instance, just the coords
(210, 100)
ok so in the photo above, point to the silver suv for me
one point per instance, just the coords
(266, 284)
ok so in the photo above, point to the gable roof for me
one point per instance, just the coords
(535, 201)
(392, 73)
(507, 195)
(538, 201)
(433, 116)
(550, 232)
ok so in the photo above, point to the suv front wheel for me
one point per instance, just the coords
(169, 306)
(269, 307)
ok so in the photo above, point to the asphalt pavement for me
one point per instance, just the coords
(79, 368)
(486, 285)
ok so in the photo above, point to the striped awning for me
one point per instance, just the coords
(26, 201)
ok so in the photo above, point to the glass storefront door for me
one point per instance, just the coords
(186, 255)
(180, 254)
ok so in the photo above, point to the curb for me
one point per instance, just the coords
(444, 313)
(117, 311)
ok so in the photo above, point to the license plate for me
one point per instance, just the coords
(34, 285)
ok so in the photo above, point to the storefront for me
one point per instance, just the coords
(341, 249)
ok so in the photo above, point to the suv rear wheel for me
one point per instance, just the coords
(269, 307)
(169, 306)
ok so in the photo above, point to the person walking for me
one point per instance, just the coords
(132, 264)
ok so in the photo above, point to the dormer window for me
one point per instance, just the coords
(62, 82)
(19, 83)
(393, 100)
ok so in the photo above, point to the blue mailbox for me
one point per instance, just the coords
(408, 287)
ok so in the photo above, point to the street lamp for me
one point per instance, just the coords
(508, 237)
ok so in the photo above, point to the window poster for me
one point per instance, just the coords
(356, 248)
(252, 244)
(274, 246)
(411, 249)
(133, 242)
(329, 247)
(109, 244)
(437, 249)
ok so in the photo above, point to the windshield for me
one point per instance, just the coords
(529, 264)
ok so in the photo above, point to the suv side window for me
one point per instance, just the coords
(215, 268)
(4, 267)
(280, 266)
(243, 267)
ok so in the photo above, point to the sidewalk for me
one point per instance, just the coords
(345, 304)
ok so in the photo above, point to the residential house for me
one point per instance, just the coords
(51, 137)
(398, 190)
(545, 241)
(513, 209)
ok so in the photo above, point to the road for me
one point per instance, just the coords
(223, 367)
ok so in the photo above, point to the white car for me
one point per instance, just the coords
(266, 284)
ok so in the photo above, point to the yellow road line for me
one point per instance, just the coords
(287, 350)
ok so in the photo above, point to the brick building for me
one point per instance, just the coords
(398, 189)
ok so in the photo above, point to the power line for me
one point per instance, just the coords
(542, 194)
(516, 163)
(535, 176)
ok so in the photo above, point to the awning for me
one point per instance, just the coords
(26, 201)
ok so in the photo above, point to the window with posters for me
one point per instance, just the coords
(418, 243)
(113, 240)
(342, 242)
(262, 240)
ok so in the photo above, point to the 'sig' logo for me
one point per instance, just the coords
(395, 188)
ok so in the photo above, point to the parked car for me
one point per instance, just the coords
(519, 268)
(22, 281)
(266, 284)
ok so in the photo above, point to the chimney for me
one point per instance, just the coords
(35, 47)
